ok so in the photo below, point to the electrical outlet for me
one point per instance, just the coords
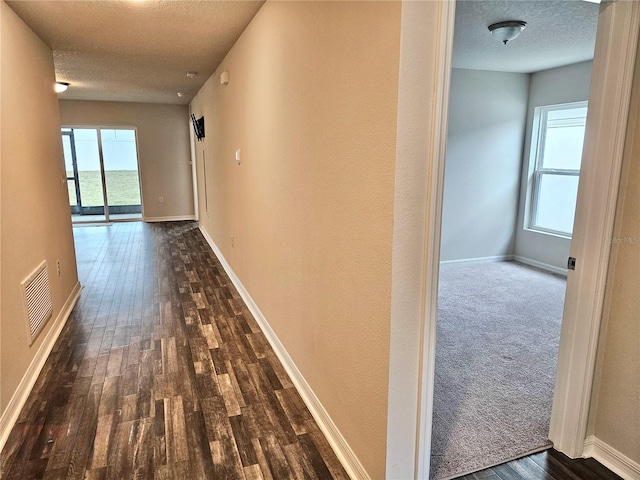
(233, 241)
(160, 199)
(58, 267)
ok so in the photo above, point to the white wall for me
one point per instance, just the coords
(487, 115)
(549, 87)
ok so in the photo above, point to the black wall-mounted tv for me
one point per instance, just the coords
(198, 126)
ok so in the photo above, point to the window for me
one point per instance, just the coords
(556, 153)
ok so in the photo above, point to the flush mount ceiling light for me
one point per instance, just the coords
(192, 74)
(507, 31)
(61, 87)
(180, 94)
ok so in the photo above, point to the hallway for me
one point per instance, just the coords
(162, 372)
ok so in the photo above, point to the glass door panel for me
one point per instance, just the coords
(122, 182)
(89, 173)
(71, 171)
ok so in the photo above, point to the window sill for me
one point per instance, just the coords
(549, 233)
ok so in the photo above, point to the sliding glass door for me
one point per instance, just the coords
(122, 182)
(102, 174)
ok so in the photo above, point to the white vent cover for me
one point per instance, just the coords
(37, 300)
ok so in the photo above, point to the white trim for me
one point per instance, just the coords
(426, 43)
(19, 398)
(609, 99)
(541, 265)
(547, 232)
(508, 258)
(343, 451)
(495, 258)
(176, 218)
(433, 233)
(194, 170)
(611, 458)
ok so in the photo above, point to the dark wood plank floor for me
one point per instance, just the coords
(162, 372)
(547, 465)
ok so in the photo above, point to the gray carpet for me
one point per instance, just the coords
(496, 355)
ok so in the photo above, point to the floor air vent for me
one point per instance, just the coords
(37, 300)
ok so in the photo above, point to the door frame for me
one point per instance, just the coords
(98, 129)
(606, 131)
(194, 169)
(423, 99)
(74, 164)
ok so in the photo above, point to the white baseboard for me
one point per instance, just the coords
(611, 458)
(19, 398)
(540, 265)
(496, 258)
(338, 443)
(178, 218)
(506, 258)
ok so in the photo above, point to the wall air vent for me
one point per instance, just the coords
(37, 300)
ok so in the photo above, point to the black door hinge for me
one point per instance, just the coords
(571, 263)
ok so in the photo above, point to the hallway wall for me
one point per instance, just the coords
(305, 220)
(36, 222)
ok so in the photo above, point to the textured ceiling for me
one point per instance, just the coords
(140, 50)
(136, 51)
(557, 33)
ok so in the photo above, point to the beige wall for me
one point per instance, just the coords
(615, 408)
(163, 148)
(36, 222)
(312, 104)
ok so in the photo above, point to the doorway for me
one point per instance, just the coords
(102, 174)
(514, 149)
(422, 106)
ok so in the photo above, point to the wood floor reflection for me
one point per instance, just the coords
(162, 372)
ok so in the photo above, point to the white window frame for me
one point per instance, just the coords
(536, 171)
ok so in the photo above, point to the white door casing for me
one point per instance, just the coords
(609, 99)
(194, 174)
